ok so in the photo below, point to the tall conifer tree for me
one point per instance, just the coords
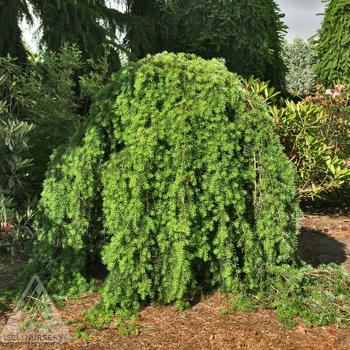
(246, 33)
(333, 47)
(90, 24)
(11, 12)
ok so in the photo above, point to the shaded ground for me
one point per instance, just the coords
(324, 239)
(8, 268)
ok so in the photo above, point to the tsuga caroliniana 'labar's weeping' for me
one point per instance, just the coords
(178, 183)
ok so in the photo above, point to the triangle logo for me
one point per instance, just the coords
(35, 318)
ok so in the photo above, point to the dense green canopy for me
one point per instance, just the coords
(246, 33)
(333, 48)
(90, 24)
(178, 183)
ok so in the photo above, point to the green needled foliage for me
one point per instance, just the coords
(91, 24)
(246, 33)
(333, 48)
(299, 57)
(11, 12)
(179, 183)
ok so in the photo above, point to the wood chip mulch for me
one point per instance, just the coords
(202, 327)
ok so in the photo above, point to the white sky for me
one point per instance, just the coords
(301, 18)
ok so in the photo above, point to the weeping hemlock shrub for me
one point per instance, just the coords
(178, 184)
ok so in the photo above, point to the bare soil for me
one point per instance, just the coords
(325, 238)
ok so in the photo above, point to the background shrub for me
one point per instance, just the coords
(179, 183)
(299, 58)
(315, 134)
(52, 92)
(15, 207)
(308, 133)
(50, 85)
(43, 103)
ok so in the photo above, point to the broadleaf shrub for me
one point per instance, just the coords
(42, 103)
(53, 92)
(179, 183)
(306, 130)
(315, 134)
(16, 206)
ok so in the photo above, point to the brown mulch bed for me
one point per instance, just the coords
(325, 238)
(200, 327)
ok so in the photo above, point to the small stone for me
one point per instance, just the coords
(300, 329)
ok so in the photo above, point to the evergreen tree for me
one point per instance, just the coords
(11, 12)
(90, 24)
(299, 57)
(246, 33)
(333, 47)
(143, 28)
